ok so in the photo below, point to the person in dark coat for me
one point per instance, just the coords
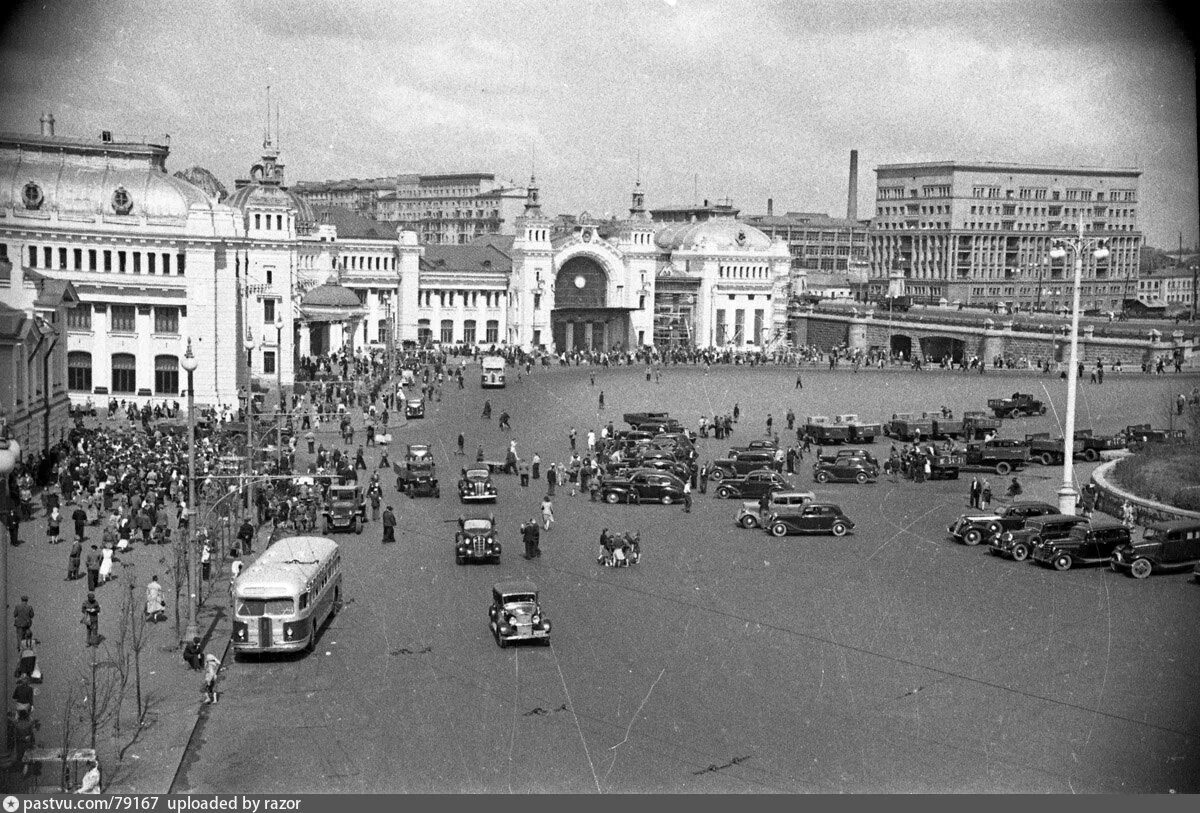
(704, 478)
(13, 521)
(91, 618)
(246, 537)
(531, 535)
(73, 560)
(92, 564)
(79, 517)
(389, 525)
(23, 618)
(193, 654)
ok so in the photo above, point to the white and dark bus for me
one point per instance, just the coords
(281, 601)
(493, 372)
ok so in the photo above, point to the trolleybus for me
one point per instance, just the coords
(281, 601)
(493, 372)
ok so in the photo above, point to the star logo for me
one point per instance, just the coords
(11, 804)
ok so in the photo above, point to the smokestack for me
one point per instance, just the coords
(852, 193)
(770, 207)
(47, 124)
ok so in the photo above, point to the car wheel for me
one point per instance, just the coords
(1046, 459)
(358, 526)
(839, 529)
(1012, 413)
(1062, 562)
(1113, 567)
(1090, 455)
(1141, 568)
(860, 478)
(716, 474)
(1042, 411)
(503, 643)
(778, 529)
(666, 499)
(1003, 468)
(821, 477)
(1020, 553)
(458, 560)
(972, 537)
(324, 527)
(724, 493)
(749, 521)
(612, 497)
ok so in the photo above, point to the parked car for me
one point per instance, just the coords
(743, 463)
(971, 529)
(846, 469)
(476, 541)
(1163, 546)
(476, 486)
(1017, 404)
(849, 452)
(346, 511)
(414, 408)
(412, 471)
(642, 485)
(754, 484)
(1140, 434)
(1020, 542)
(751, 516)
(1000, 456)
(1087, 543)
(515, 613)
(814, 518)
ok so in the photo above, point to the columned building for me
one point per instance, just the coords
(980, 233)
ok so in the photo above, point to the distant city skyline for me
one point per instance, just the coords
(700, 99)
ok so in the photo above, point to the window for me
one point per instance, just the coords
(719, 338)
(137, 262)
(166, 263)
(124, 373)
(79, 371)
(179, 258)
(123, 319)
(258, 221)
(166, 320)
(268, 311)
(447, 331)
(47, 257)
(469, 331)
(268, 362)
(62, 258)
(739, 326)
(121, 262)
(80, 318)
(166, 375)
(91, 259)
(424, 332)
(492, 334)
(758, 325)
(32, 257)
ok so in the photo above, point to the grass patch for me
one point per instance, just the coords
(1167, 473)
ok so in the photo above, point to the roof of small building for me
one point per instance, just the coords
(330, 295)
(477, 257)
(273, 196)
(716, 234)
(351, 225)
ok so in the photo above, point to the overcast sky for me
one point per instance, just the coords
(721, 98)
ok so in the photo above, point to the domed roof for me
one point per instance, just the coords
(330, 295)
(271, 196)
(716, 235)
(87, 187)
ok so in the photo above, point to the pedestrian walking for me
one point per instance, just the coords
(523, 469)
(462, 442)
(737, 411)
(799, 383)
(1127, 515)
(73, 560)
(985, 495)
(704, 478)
(770, 423)
(91, 619)
(976, 488)
(547, 512)
(687, 497)
(206, 561)
(212, 668)
(487, 411)
(93, 567)
(551, 479)
(246, 537)
(601, 399)
(389, 525)
(23, 618)
(537, 466)
(79, 517)
(571, 438)
(531, 536)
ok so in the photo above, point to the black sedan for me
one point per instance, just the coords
(814, 518)
(846, 470)
(643, 485)
(754, 484)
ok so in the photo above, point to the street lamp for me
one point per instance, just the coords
(1067, 495)
(249, 343)
(279, 384)
(10, 453)
(189, 363)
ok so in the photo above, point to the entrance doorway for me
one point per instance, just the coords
(901, 346)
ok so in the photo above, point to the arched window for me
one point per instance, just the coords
(79, 371)
(424, 332)
(166, 375)
(447, 331)
(124, 373)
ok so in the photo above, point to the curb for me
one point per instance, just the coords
(1111, 499)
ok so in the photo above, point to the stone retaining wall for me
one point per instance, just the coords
(1110, 499)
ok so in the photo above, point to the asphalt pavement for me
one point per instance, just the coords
(727, 661)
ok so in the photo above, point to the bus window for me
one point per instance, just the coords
(303, 601)
(270, 606)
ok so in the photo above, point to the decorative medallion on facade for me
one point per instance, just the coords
(587, 235)
(122, 203)
(31, 196)
(741, 238)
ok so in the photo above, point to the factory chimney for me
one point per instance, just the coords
(770, 206)
(852, 193)
(47, 124)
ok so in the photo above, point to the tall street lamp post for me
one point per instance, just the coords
(279, 386)
(189, 364)
(10, 453)
(1067, 495)
(249, 345)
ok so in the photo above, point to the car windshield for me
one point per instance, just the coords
(476, 474)
(520, 604)
(265, 606)
(474, 526)
(342, 494)
(1150, 533)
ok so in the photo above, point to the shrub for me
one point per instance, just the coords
(1167, 473)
